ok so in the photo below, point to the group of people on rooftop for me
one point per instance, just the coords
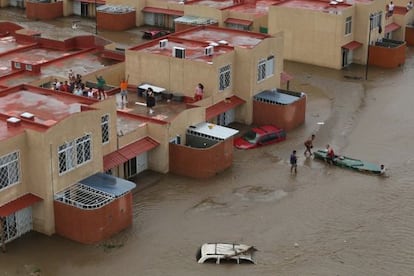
(76, 86)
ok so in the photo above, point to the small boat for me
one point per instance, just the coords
(350, 163)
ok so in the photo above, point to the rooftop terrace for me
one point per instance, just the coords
(314, 5)
(194, 41)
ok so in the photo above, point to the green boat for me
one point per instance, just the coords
(350, 163)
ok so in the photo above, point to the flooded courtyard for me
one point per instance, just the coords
(323, 221)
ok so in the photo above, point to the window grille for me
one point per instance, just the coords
(265, 68)
(225, 77)
(9, 169)
(74, 153)
(348, 25)
(84, 197)
(17, 224)
(105, 128)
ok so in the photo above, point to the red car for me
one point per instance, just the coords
(260, 136)
(152, 34)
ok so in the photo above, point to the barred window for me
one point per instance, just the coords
(105, 128)
(348, 25)
(9, 169)
(74, 153)
(265, 68)
(225, 77)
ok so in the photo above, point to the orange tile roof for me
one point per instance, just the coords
(18, 204)
(223, 106)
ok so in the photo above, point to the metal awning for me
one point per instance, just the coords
(128, 152)
(99, 2)
(278, 96)
(109, 184)
(391, 27)
(352, 45)
(94, 191)
(223, 106)
(285, 77)
(18, 204)
(163, 11)
(238, 21)
(113, 160)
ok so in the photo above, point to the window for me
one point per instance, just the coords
(238, 27)
(376, 20)
(74, 153)
(225, 77)
(9, 169)
(348, 25)
(17, 65)
(105, 128)
(265, 68)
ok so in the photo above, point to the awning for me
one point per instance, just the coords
(352, 45)
(223, 106)
(238, 21)
(113, 159)
(109, 184)
(128, 152)
(163, 11)
(391, 27)
(285, 77)
(99, 2)
(18, 204)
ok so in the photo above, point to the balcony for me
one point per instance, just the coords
(387, 53)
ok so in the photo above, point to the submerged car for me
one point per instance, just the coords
(260, 136)
(225, 253)
(152, 34)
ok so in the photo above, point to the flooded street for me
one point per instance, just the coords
(342, 222)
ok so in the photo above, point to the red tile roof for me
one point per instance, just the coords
(162, 11)
(238, 21)
(352, 45)
(391, 27)
(128, 152)
(223, 106)
(113, 159)
(18, 204)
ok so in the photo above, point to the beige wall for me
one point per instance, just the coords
(310, 36)
(182, 75)
(316, 37)
(246, 84)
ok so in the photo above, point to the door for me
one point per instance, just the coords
(344, 57)
(84, 9)
(149, 19)
(77, 8)
(142, 162)
(130, 168)
(18, 224)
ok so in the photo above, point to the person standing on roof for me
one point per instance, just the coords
(124, 89)
(150, 100)
(100, 85)
(199, 92)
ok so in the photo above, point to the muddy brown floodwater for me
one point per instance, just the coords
(322, 221)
